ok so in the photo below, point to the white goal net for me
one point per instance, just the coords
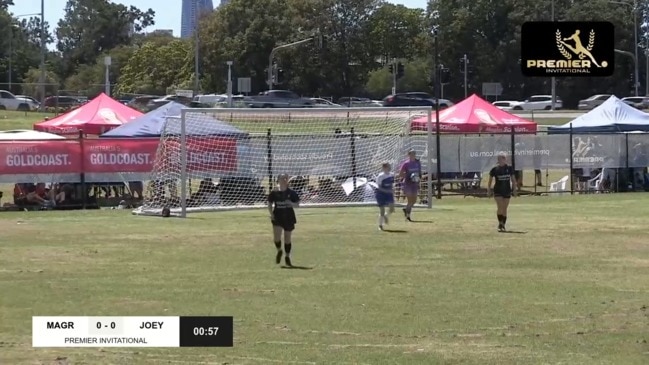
(214, 159)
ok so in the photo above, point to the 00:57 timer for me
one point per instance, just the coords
(206, 331)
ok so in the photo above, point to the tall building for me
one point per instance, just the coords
(191, 10)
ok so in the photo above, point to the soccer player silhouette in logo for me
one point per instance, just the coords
(579, 48)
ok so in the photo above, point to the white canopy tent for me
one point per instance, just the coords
(613, 115)
(27, 135)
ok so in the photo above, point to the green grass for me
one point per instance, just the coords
(572, 290)
(10, 120)
(25, 120)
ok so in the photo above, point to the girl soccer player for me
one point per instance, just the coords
(504, 188)
(281, 202)
(410, 174)
(385, 194)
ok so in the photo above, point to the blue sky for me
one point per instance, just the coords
(167, 17)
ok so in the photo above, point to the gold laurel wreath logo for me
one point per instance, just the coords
(560, 46)
(591, 40)
(591, 44)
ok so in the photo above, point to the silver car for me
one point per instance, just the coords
(638, 102)
(593, 101)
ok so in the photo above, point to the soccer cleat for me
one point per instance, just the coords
(287, 260)
(380, 227)
(278, 258)
(501, 227)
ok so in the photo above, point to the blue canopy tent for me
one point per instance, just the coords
(152, 124)
(612, 116)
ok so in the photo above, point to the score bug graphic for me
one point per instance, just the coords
(132, 332)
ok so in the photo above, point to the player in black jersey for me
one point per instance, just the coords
(281, 202)
(504, 188)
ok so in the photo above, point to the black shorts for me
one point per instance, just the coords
(502, 194)
(285, 225)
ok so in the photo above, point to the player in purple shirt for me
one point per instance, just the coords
(410, 175)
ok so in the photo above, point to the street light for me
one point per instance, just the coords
(634, 11)
(107, 63)
(196, 54)
(438, 87)
(229, 63)
(553, 80)
(43, 50)
(645, 30)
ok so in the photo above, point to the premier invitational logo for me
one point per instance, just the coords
(563, 49)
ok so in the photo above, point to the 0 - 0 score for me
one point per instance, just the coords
(112, 325)
(206, 331)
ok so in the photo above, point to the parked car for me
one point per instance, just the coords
(539, 102)
(324, 103)
(33, 103)
(593, 101)
(9, 101)
(209, 99)
(63, 102)
(355, 102)
(414, 99)
(278, 99)
(638, 102)
(507, 105)
(238, 101)
(140, 102)
(156, 103)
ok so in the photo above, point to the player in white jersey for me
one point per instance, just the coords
(385, 194)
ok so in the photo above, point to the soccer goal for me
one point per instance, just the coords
(219, 159)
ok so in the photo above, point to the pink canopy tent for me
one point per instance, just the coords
(96, 117)
(475, 115)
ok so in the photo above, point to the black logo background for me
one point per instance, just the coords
(538, 42)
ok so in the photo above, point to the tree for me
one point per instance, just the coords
(5, 4)
(379, 83)
(92, 27)
(243, 32)
(19, 51)
(152, 69)
(395, 31)
(32, 80)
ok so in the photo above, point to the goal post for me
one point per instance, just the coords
(221, 158)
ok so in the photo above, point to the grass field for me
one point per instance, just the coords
(10, 120)
(25, 120)
(572, 287)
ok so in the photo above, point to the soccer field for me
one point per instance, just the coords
(571, 287)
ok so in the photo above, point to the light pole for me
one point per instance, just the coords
(196, 54)
(43, 51)
(438, 87)
(466, 71)
(635, 61)
(107, 63)
(271, 57)
(553, 80)
(11, 55)
(634, 12)
(229, 63)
